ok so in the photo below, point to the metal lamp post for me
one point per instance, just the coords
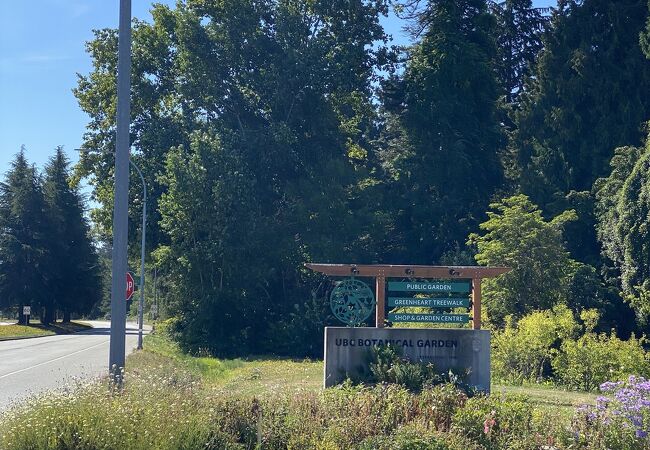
(144, 233)
(116, 356)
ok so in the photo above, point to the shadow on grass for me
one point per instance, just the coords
(36, 329)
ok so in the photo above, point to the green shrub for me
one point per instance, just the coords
(439, 404)
(382, 359)
(523, 351)
(544, 345)
(167, 327)
(299, 333)
(412, 438)
(387, 365)
(592, 359)
(501, 422)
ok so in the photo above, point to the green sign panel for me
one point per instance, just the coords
(447, 286)
(439, 302)
(352, 301)
(427, 318)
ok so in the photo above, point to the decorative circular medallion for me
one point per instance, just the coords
(352, 301)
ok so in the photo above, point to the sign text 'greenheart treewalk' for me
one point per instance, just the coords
(435, 302)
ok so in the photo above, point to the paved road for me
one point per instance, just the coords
(34, 365)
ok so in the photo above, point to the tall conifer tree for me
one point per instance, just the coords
(518, 34)
(448, 165)
(74, 280)
(590, 94)
(23, 246)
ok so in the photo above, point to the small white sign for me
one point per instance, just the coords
(27, 310)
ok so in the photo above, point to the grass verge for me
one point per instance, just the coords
(257, 375)
(10, 332)
(269, 375)
(550, 397)
(168, 409)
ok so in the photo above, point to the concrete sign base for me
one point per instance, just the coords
(347, 351)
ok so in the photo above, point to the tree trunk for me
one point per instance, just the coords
(21, 317)
(48, 316)
(66, 316)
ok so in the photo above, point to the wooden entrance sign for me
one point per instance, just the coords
(381, 272)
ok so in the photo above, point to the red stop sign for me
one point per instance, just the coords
(130, 286)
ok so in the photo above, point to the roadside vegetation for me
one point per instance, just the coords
(274, 133)
(175, 401)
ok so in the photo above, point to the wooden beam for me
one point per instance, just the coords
(404, 271)
(476, 304)
(380, 295)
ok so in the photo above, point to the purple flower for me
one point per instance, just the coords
(644, 386)
(637, 421)
(610, 385)
(627, 405)
(633, 379)
(602, 402)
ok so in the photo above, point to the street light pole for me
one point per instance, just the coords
(120, 205)
(144, 232)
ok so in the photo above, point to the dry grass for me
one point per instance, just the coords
(36, 329)
(8, 332)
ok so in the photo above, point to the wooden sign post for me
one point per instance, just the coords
(381, 272)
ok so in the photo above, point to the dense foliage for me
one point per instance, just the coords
(589, 95)
(517, 236)
(445, 165)
(47, 259)
(552, 346)
(624, 202)
(23, 263)
(278, 132)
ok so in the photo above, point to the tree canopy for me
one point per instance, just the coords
(47, 260)
(517, 236)
(277, 132)
(446, 166)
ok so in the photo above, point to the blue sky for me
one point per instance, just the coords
(41, 51)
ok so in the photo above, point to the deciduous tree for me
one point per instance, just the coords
(517, 236)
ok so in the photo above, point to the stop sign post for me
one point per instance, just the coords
(130, 286)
